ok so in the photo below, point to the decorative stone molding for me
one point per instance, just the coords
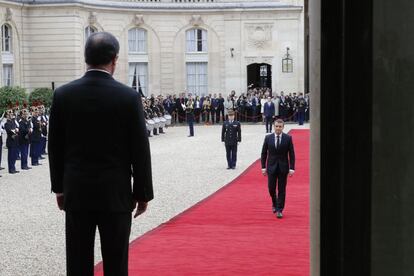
(196, 20)
(9, 15)
(259, 59)
(138, 20)
(259, 36)
(92, 19)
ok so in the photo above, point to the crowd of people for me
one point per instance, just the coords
(214, 108)
(27, 131)
(26, 136)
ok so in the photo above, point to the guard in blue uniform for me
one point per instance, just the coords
(231, 136)
(12, 141)
(35, 137)
(25, 129)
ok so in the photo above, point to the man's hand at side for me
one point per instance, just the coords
(264, 172)
(141, 207)
(60, 199)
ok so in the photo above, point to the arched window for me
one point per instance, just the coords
(196, 40)
(6, 38)
(137, 40)
(89, 30)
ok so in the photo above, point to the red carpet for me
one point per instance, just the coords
(234, 232)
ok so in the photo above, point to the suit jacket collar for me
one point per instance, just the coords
(97, 74)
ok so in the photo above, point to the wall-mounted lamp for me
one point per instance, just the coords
(231, 52)
(287, 62)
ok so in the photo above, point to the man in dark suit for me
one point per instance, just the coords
(279, 153)
(231, 136)
(269, 113)
(91, 169)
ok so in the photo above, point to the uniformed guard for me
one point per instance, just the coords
(44, 121)
(231, 136)
(25, 129)
(1, 138)
(189, 109)
(12, 141)
(301, 109)
(35, 138)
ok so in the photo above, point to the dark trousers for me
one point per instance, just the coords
(35, 152)
(231, 154)
(190, 121)
(12, 157)
(277, 179)
(43, 141)
(269, 122)
(24, 150)
(197, 114)
(114, 230)
(301, 117)
(1, 149)
(213, 115)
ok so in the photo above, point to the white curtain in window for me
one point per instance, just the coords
(7, 75)
(197, 79)
(132, 40)
(142, 40)
(6, 38)
(131, 74)
(137, 40)
(204, 39)
(191, 40)
(140, 71)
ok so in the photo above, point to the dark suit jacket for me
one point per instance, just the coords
(97, 141)
(24, 127)
(37, 131)
(269, 111)
(283, 157)
(12, 140)
(231, 133)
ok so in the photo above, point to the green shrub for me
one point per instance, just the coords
(10, 96)
(41, 96)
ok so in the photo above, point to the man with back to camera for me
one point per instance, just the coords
(91, 168)
(231, 136)
(279, 153)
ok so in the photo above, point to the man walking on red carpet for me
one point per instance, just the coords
(91, 169)
(279, 153)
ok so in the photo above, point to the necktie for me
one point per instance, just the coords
(277, 142)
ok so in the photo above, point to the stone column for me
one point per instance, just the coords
(314, 81)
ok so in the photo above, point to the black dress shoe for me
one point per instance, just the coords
(36, 164)
(233, 168)
(1, 168)
(27, 168)
(228, 168)
(13, 172)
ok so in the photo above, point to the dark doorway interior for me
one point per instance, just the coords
(259, 75)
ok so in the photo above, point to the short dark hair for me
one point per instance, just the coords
(101, 48)
(279, 121)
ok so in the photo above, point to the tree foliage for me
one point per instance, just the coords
(11, 96)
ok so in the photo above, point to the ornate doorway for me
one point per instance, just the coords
(259, 75)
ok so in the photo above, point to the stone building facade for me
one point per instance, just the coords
(167, 46)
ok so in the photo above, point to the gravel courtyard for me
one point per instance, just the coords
(185, 171)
